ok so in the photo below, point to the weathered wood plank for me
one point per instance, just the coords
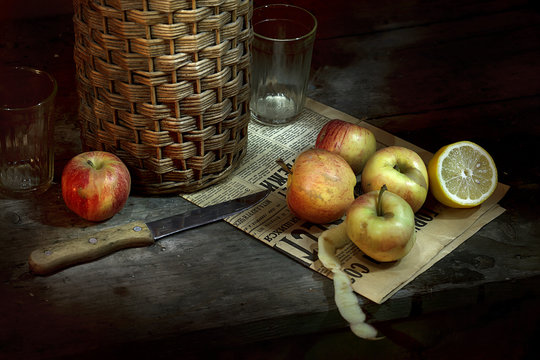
(445, 65)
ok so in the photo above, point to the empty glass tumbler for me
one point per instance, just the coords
(26, 131)
(280, 62)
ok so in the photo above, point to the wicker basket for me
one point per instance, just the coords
(164, 85)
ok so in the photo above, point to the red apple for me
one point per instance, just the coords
(320, 186)
(353, 142)
(402, 170)
(95, 185)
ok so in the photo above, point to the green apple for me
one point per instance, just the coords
(402, 170)
(381, 224)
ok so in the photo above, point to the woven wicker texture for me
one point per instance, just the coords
(164, 85)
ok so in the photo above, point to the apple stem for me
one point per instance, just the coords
(379, 201)
(89, 162)
(284, 166)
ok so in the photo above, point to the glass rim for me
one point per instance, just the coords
(307, 35)
(46, 99)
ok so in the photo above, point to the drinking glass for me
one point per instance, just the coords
(280, 62)
(26, 131)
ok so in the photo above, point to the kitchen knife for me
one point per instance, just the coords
(135, 234)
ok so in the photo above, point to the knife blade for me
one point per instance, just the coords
(90, 247)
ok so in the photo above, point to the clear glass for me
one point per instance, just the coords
(26, 131)
(280, 62)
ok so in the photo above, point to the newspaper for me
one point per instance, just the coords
(439, 229)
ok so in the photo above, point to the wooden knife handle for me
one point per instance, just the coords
(89, 247)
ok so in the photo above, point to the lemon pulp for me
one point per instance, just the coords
(462, 174)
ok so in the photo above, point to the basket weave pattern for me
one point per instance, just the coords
(164, 85)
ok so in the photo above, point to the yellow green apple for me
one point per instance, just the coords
(402, 170)
(381, 224)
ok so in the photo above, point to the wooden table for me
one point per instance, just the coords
(431, 73)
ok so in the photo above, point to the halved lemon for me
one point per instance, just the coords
(462, 175)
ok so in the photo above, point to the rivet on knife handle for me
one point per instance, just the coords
(89, 247)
